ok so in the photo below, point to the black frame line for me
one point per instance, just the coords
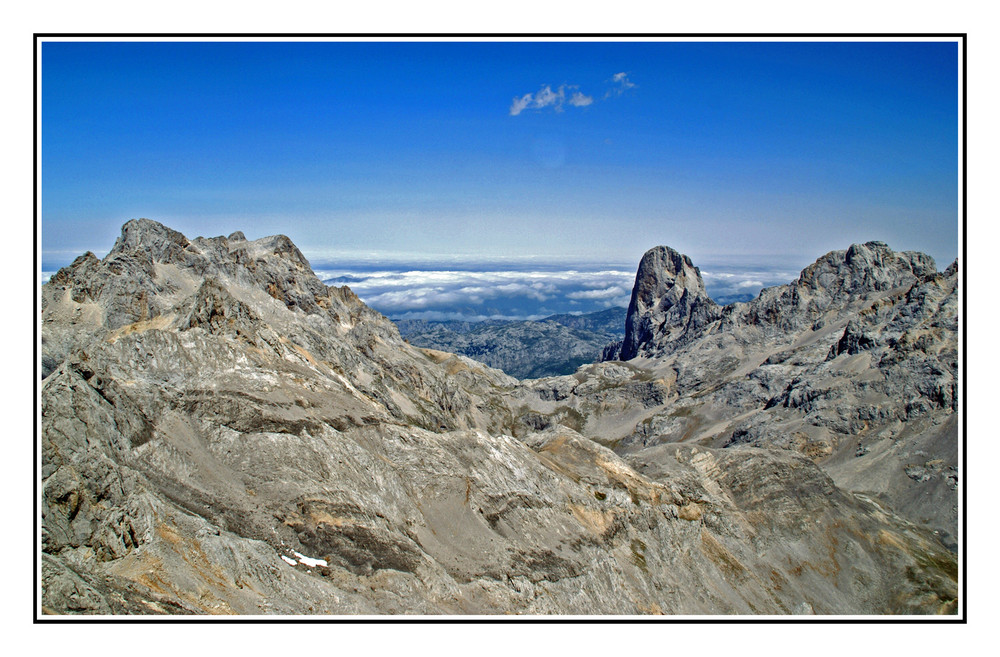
(38, 618)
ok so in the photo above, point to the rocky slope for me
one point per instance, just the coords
(524, 349)
(853, 365)
(607, 322)
(222, 433)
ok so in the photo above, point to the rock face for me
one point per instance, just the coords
(668, 304)
(854, 365)
(224, 434)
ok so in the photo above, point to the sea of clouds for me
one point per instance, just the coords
(522, 292)
(470, 294)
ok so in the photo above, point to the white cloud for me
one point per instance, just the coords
(606, 293)
(519, 104)
(739, 283)
(547, 98)
(530, 291)
(440, 315)
(620, 84)
(421, 298)
(457, 293)
(616, 302)
(544, 280)
(557, 99)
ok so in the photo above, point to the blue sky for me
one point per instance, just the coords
(432, 151)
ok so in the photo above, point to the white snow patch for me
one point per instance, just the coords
(289, 561)
(309, 561)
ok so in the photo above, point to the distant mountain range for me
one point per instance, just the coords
(524, 349)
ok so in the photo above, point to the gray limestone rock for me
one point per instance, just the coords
(223, 434)
(856, 356)
(669, 304)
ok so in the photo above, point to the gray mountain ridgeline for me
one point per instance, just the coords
(222, 433)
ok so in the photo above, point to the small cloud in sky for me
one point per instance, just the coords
(545, 97)
(520, 104)
(620, 84)
(565, 94)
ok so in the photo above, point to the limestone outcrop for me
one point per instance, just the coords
(669, 304)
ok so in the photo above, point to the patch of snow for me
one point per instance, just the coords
(290, 562)
(309, 561)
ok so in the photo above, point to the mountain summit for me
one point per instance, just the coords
(668, 303)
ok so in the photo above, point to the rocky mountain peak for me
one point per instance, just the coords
(878, 255)
(668, 302)
(226, 286)
(868, 267)
(161, 243)
(283, 247)
(670, 307)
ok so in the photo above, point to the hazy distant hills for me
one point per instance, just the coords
(525, 349)
(726, 299)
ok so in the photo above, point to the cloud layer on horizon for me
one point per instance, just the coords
(471, 295)
(727, 285)
(527, 293)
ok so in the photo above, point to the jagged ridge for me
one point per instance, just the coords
(211, 412)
